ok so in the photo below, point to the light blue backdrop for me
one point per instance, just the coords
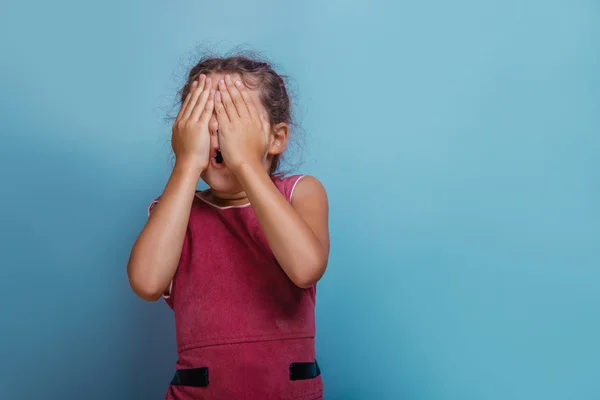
(459, 142)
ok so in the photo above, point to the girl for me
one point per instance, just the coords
(238, 262)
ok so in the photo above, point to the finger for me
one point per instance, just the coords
(227, 102)
(199, 107)
(236, 96)
(249, 103)
(210, 106)
(266, 126)
(194, 98)
(186, 101)
(220, 108)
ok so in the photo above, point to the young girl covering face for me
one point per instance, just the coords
(239, 262)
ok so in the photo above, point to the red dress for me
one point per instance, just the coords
(236, 311)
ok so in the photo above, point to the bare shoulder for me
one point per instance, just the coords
(309, 199)
(309, 190)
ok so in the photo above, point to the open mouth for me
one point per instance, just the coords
(216, 159)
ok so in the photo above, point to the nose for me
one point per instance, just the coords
(213, 128)
(213, 125)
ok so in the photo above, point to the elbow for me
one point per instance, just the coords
(146, 293)
(305, 283)
(309, 274)
(144, 286)
(146, 290)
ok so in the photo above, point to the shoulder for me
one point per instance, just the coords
(310, 201)
(307, 188)
(153, 204)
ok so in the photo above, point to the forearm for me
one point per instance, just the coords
(293, 242)
(156, 253)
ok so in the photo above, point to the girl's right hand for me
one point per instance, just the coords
(191, 138)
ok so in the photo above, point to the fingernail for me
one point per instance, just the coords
(207, 80)
(238, 83)
(194, 83)
(228, 78)
(222, 82)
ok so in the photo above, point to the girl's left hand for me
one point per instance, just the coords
(243, 131)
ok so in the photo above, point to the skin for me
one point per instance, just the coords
(222, 112)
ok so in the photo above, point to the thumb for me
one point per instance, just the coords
(266, 135)
(266, 125)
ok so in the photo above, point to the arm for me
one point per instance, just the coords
(156, 252)
(297, 233)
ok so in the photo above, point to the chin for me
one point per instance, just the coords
(221, 180)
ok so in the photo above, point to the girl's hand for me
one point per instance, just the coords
(191, 138)
(243, 132)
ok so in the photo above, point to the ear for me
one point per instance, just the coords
(279, 137)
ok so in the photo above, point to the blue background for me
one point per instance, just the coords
(459, 143)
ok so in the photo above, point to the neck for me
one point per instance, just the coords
(223, 199)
